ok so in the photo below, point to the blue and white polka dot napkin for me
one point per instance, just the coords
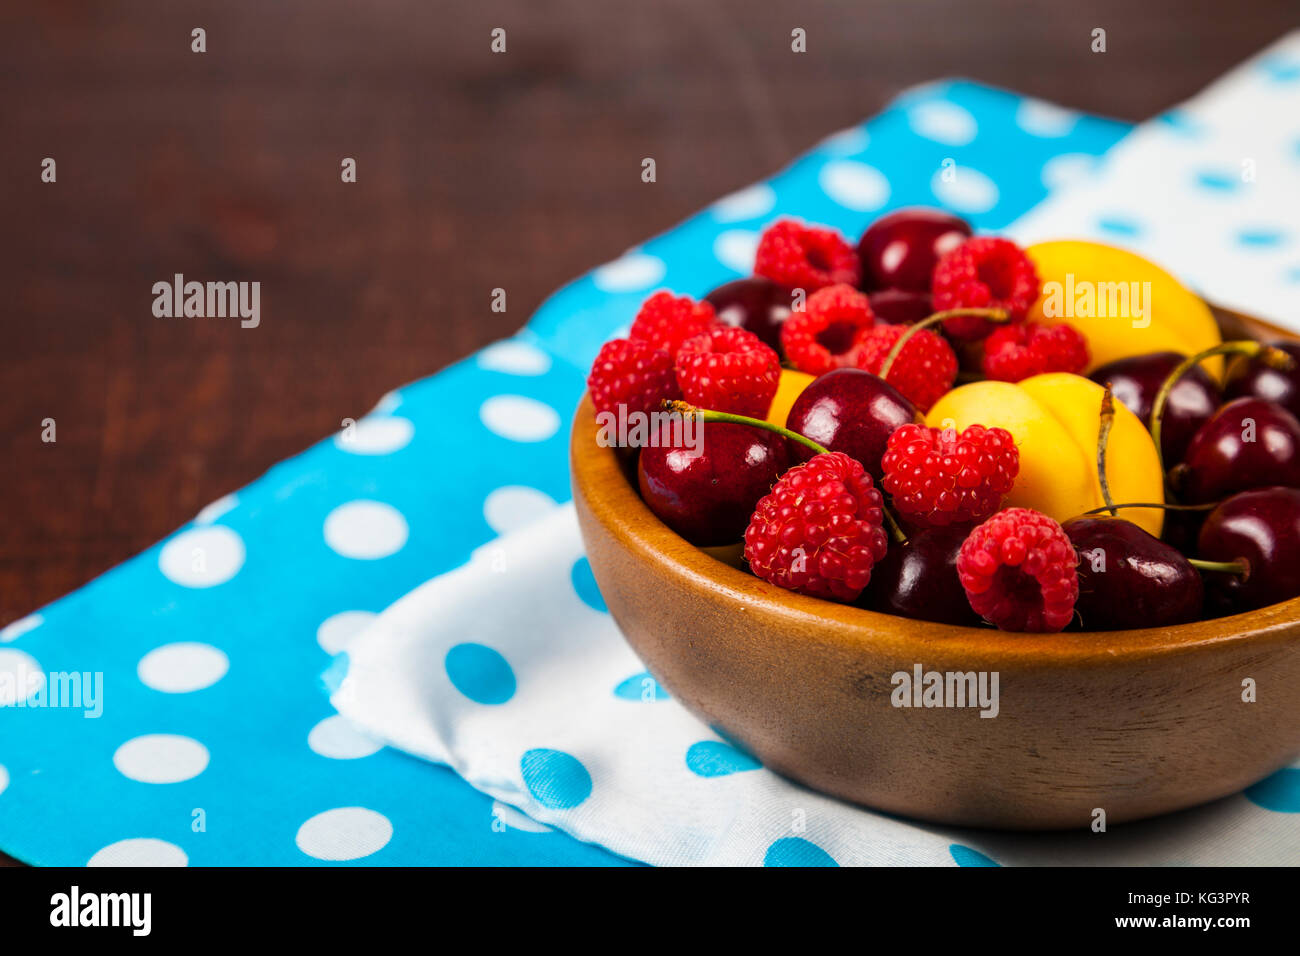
(214, 743)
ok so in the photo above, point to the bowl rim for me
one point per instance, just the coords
(607, 491)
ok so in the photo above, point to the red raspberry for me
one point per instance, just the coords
(728, 370)
(828, 333)
(924, 371)
(819, 530)
(1018, 571)
(805, 257)
(666, 320)
(983, 273)
(631, 373)
(1018, 351)
(938, 477)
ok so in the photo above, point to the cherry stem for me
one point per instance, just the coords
(1274, 358)
(993, 315)
(1103, 439)
(730, 418)
(1240, 566)
(1163, 505)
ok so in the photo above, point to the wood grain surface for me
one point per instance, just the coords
(475, 171)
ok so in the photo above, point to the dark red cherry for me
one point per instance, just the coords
(1193, 399)
(1248, 443)
(756, 304)
(1261, 527)
(1251, 377)
(1127, 578)
(919, 579)
(899, 250)
(852, 411)
(707, 495)
(900, 307)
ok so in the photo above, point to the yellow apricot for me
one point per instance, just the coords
(1055, 419)
(1122, 303)
(792, 383)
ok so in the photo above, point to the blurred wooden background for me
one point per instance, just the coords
(475, 170)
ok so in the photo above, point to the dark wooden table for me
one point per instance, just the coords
(475, 171)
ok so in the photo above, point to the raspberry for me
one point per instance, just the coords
(828, 333)
(819, 530)
(728, 370)
(1018, 571)
(805, 257)
(1018, 351)
(633, 374)
(924, 371)
(938, 477)
(666, 320)
(983, 273)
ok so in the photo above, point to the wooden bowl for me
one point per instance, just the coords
(1135, 723)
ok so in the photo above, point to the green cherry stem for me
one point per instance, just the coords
(1150, 504)
(993, 315)
(1103, 439)
(705, 415)
(1272, 357)
(1240, 566)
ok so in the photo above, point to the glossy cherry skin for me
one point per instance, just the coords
(1251, 377)
(899, 250)
(919, 579)
(852, 411)
(899, 306)
(1193, 399)
(1248, 443)
(708, 496)
(1263, 527)
(756, 304)
(1129, 579)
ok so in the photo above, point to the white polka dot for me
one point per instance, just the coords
(518, 418)
(514, 358)
(1048, 120)
(964, 190)
(854, 185)
(344, 833)
(202, 557)
(387, 403)
(375, 435)
(4, 778)
(633, 272)
(735, 249)
(514, 506)
(337, 631)
(161, 758)
(515, 820)
(750, 203)
(182, 667)
(18, 628)
(847, 142)
(140, 851)
(1067, 168)
(210, 513)
(366, 530)
(943, 122)
(21, 677)
(335, 737)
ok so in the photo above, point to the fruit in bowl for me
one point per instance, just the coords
(892, 562)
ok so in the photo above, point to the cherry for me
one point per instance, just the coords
(757, 304)
(1128, 578)
(708, 494)
(918, 579)
(1262, 529)
(1135, 382)
(900, 250)
(852, 411)
(1253, 377)
(899, 306)
(1248, 443)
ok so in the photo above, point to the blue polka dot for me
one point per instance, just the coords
(1281, 69)
(584, 582)
(640, 686)
(1119, 226)
(1217, 181)
(965, 856)
(794, 851)
(712, 758)
(555, 779)
(334, 674)
(1180, 123)
(1280, 792)
(1293, 274)
(480, 673)
(1261, 238)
